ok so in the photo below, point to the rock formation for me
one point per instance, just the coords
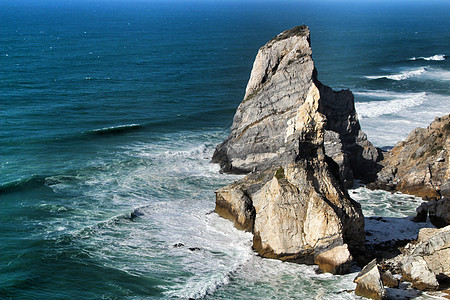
(425, 262)
(300, 140)
(267, 128)
(420, 164)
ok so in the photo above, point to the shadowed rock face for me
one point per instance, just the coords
(420, 164)
(266, 128)
(300, 141)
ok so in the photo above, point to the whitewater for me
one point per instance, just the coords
(110, 113)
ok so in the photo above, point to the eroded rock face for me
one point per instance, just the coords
(295, 212)
(420, 164)
(267, 128)
(425, 263)
(293, 200)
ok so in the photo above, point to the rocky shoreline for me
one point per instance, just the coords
(301, 146)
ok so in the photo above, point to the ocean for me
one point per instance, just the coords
(110, 112)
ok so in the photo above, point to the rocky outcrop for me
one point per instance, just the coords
(266, 128)
(425, 262)
(368, 282)
(428, 261)
(295, 212)
(297, 138)
(420, 164)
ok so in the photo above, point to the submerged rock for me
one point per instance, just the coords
(301, 141)
(420, 164)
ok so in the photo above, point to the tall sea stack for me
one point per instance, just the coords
(301, 143)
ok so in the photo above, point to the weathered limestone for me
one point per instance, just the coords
(294, 212)
(425, 262)
(293, 201)
(265, 130)
(420, 164)
(416, 271)
(368, 282)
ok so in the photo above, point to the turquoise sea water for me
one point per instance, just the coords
(110, 112)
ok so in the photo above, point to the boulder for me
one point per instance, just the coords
(335, 261)
(438, 210)
(368, 282)
(416, 271)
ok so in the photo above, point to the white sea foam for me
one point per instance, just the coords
(388, 117)
(436, 74)
(421, 73)
(437, 57)
(394, 102)
(402, 75)
(170, 181)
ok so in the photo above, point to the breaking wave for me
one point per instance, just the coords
(400, 76)
(394, 102)
(116, 129)
(437, 57)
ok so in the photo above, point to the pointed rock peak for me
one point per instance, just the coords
(301, 30)
(287, 114)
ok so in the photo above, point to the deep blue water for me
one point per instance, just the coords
(107, 107)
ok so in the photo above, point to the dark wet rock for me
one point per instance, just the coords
(437, 210)
(136, 213)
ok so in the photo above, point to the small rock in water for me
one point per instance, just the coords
(136, 213)
(178, 245)
(194, 248)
